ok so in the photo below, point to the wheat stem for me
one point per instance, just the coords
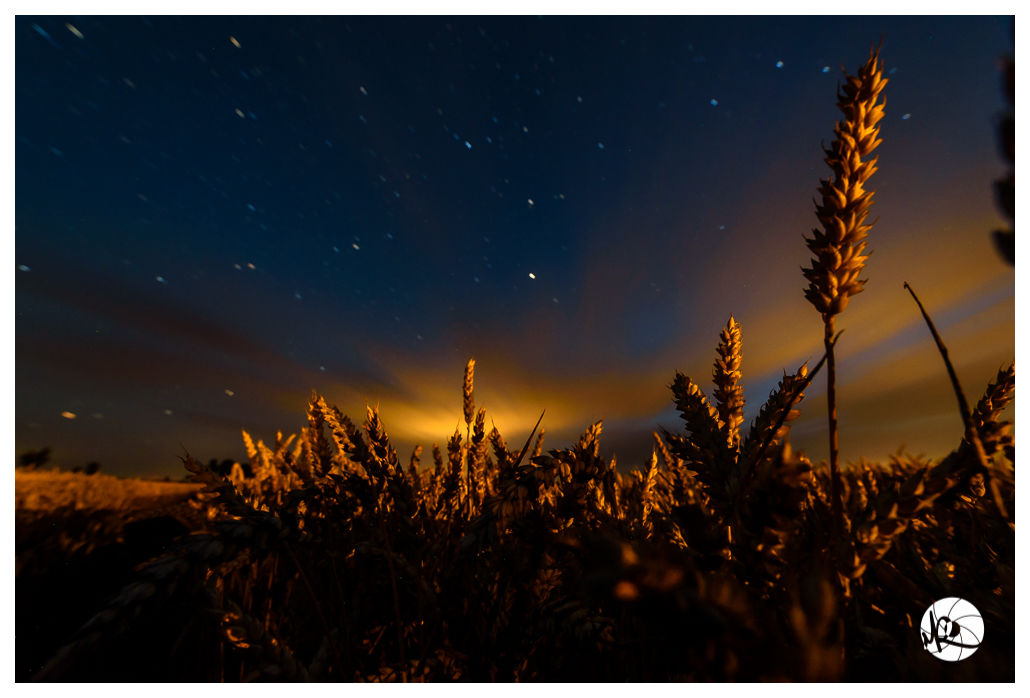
(972, 437)
(396, 599)
(831, 414)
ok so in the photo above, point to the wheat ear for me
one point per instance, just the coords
(469, 403)
(995, 434)
(539, 447)
(729, 394)
(647, 500)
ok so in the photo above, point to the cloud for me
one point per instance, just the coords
(145, 309)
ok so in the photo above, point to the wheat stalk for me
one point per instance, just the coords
(413, 464)
(437, 460)
(501, 452)
(838, 248)
(647, 500)
(538, 448)
(469, 403)
(729, 394)
(477, 461)
(702, 420)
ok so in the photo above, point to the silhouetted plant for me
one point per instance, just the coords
(1005, 187)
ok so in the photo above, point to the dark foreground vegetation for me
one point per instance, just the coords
(336, 562)
(74, 548)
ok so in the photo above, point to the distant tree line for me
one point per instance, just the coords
(34, 460)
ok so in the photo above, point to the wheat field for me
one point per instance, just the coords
(728, 555)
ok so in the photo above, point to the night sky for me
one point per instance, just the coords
(216, 215)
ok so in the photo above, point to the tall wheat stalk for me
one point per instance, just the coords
(838, 248)
(469, 408)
